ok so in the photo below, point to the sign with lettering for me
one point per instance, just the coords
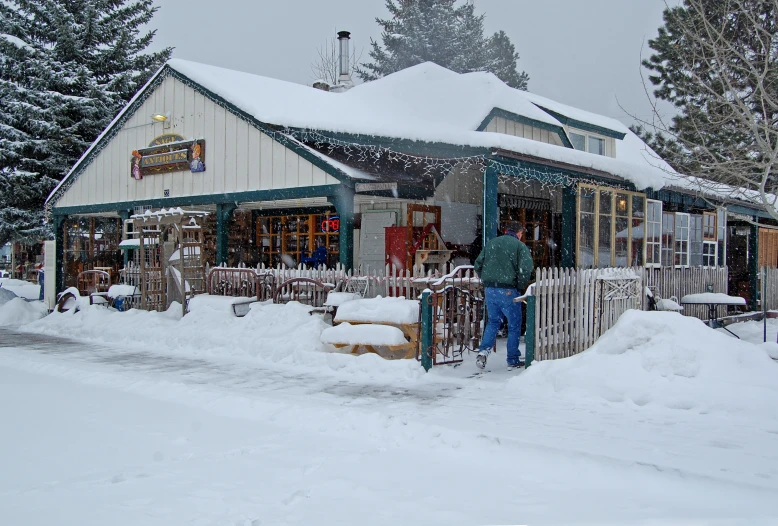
(168, 153)
(331, 224)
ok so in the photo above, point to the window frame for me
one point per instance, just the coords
(653, 264)
(589, 135)
(598, 190)
(676, 241)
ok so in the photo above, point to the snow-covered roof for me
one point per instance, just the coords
(425, 102)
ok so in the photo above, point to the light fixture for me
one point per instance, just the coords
(164, 118)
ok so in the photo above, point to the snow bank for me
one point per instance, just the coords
(23, 289)
(662, 359)
(19, 312)
(6, 295)
(380, 310)
(282, 336)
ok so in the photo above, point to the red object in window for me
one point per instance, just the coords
(331, 225)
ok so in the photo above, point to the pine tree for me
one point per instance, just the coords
(439, 31)
(66, 68)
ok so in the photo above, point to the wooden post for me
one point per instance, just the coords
(426, 330)
(753, 264)
(491, 211)
(344, 205)
(60, 223)
(529, 337)
(568, 227)
(223, 217)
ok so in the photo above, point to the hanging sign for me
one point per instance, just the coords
(168, 153)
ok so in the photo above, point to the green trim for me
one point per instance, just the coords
(515, 117)
(569, 227)
(421, 148)
(585, 126)
(344, 205)
(753, 265)
(427, 327)
(59, 264)
(224, 213)
(529, 337)
(210, 199)
(302, 211)
(491, 210)
(124, 215)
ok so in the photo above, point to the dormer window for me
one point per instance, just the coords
(587, 143)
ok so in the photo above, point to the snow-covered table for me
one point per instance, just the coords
(713, 300)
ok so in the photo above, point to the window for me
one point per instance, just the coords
(578, 140)
(709, 226)
(596, 145)
(610, 227)
(721, 226)
(653, 236)
(587, 143)
(681, 240)
(668, 237)
(709, 255)
(695, 240)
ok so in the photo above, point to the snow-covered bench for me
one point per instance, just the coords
(378, 322)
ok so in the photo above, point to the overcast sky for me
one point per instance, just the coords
(583, 53)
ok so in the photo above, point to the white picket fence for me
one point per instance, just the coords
(574, 307)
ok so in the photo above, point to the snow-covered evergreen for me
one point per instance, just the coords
(66, 68)
(439, 31)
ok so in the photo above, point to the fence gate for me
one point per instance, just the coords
(456, 325)
(617, 292)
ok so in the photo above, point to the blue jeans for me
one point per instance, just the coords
(499, 304)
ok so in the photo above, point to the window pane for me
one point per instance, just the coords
(578, 140)
(596, 145)
(622, 241)
(606, 202)
(586, 255)
(587, 200)
(668, 238)
(622, 205)
(695, 236)
(604, 248)
(638, 206)
(638, 230)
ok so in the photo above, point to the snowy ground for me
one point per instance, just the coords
(218, 420)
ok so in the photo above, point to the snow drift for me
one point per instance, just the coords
(663, 359)
(19, 312)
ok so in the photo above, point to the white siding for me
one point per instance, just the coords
(238, 157)
(517, 129)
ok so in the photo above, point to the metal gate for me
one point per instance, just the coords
(455, 325)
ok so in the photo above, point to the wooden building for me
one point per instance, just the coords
(290, 171)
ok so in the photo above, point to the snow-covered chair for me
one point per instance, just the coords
(662, 304)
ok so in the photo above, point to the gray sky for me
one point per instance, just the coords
(582, 53)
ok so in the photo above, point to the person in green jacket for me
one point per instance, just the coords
(504, 266)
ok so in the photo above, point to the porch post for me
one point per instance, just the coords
(124, 215)
(344, 205)
(568, 227)
(59, 247)
(753, 264)
(223, 217)
(491, 211)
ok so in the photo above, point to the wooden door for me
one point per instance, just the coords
(537, 234)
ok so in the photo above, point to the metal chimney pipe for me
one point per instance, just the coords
(343, 38)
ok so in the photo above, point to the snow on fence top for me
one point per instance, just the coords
(397, 311)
